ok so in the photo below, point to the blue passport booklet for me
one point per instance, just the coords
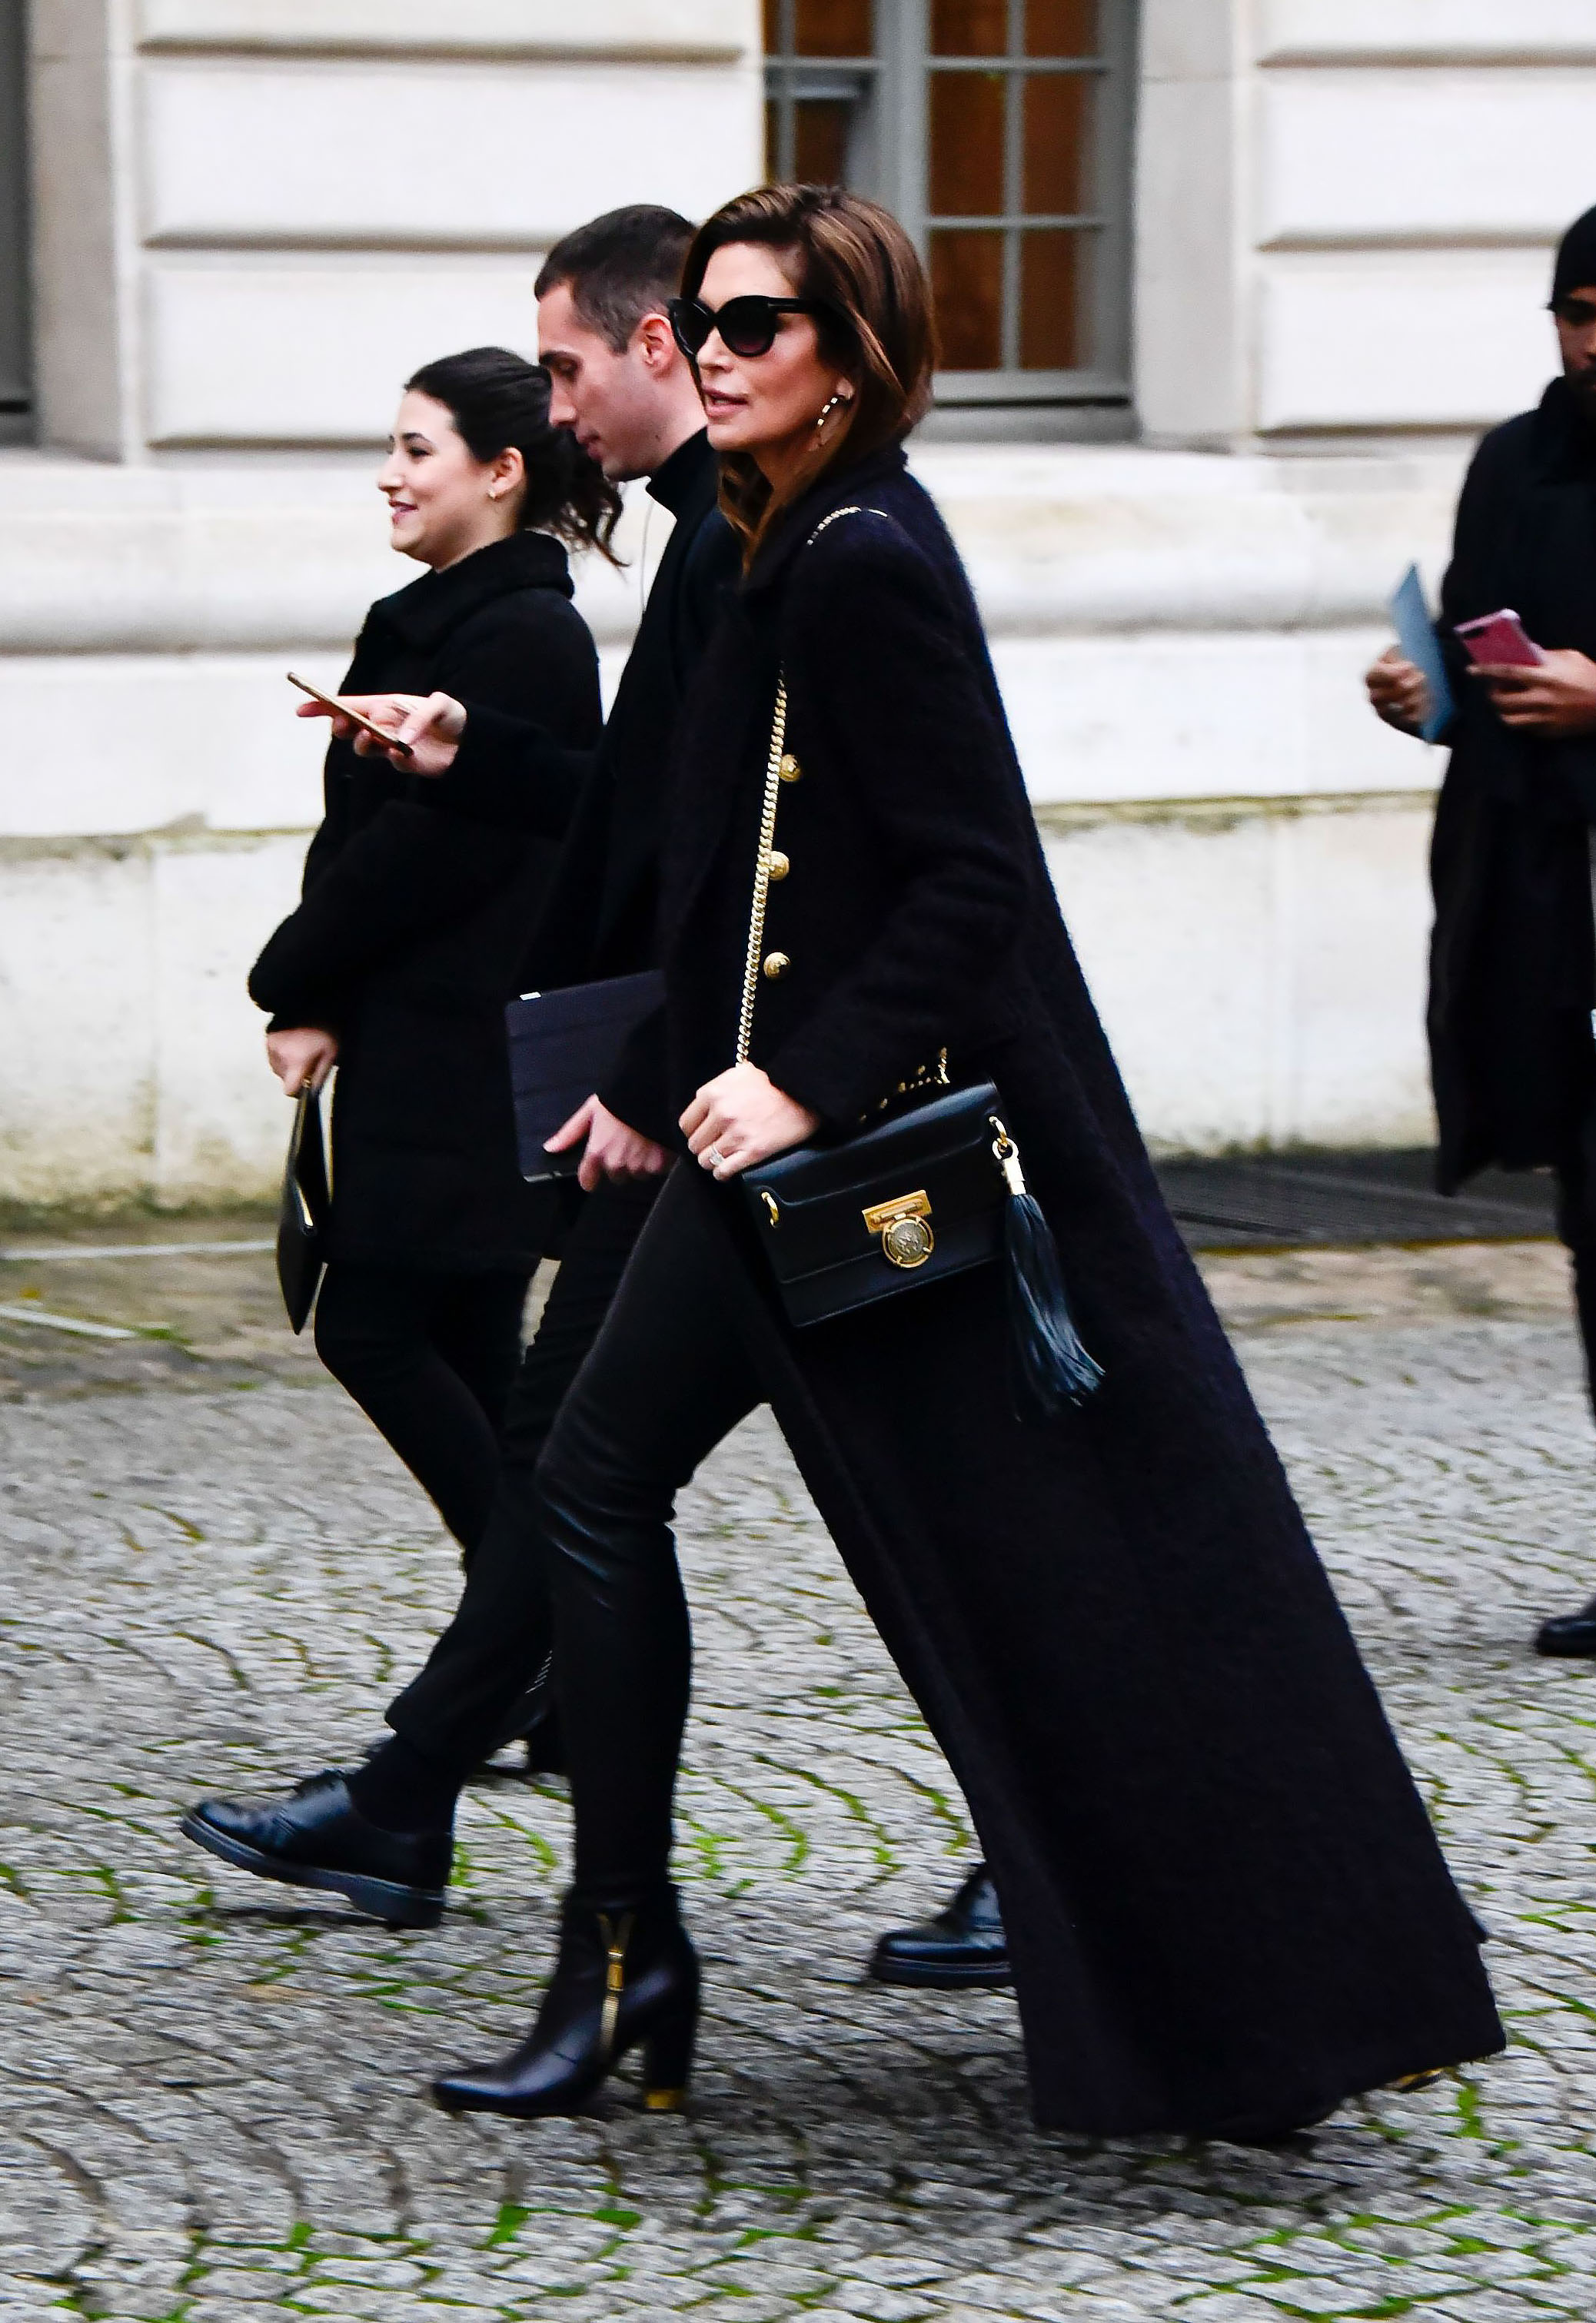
(1415, 634)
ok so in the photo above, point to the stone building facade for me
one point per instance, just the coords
(1228, 288)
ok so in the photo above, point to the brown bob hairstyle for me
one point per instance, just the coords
(855, 260)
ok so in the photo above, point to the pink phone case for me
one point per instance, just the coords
(1499, 640)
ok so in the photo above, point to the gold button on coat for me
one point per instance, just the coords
(789, 769)
(779, 864)
(777, 963)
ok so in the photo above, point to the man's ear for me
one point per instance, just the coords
(656, 343)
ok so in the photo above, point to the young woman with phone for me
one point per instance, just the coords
(405, 947)
(1226, 1909)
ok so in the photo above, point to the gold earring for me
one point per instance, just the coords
(828, 407)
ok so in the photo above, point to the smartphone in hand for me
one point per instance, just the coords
(1498, 640)
(383, 734)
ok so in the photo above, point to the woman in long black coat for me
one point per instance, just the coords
(1225, 1905)
(405, 948)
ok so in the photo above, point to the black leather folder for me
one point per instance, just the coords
(562, 1046)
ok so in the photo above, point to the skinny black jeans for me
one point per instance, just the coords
(455, 1709)
(430, 1359)
(668, 1377)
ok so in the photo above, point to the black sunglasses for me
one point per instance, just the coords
(748, 326)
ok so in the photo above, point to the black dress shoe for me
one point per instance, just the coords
(318, 1838)
(626, 1978)
(1570, 1636)
(963, 1945)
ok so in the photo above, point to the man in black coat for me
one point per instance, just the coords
(1512, 964)
(380, 1835)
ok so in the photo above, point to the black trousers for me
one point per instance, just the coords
(454, 1711)
(668, 1377)
(429, 1358)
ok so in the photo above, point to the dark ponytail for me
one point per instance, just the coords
(498, 400)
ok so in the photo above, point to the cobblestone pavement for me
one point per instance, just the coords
(215, 2094)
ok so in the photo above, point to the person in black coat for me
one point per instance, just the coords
(1227, 1908)
(406, 946)
(1512, 964)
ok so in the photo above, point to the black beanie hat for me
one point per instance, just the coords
(1576, 259)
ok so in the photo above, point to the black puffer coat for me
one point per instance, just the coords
(409, 939)
(1513, 978)
(1223, 1898)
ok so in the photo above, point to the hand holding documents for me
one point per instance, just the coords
(1415, 634)
(562, 1046)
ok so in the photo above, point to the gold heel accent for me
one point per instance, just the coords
(616, 1940)
(664, 2100)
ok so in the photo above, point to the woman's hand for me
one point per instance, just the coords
(431, 723)
(612, 1149)
(1398, 690)
(303, 1057)
(741, 1117)
(1557, 698)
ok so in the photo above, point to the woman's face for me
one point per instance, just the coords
(764, 405)
(443, 503)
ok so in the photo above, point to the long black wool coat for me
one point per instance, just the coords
(1512, 972)
(409, 935)
(1224, 1897)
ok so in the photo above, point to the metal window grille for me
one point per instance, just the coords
(14, 399)
(1000, 132)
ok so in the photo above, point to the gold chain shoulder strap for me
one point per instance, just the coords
(773, 789)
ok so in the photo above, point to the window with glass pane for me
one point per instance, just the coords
(13, 228)
(820, 73)
(999, 130)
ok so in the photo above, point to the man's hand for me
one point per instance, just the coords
(612, 1150)
(1398, 690)
(302, 1058)
(1558, 698)
(741, 1117)
(431, 723)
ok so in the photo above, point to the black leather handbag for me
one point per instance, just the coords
(302, 1211)
(908, 1201)
(909, 1198)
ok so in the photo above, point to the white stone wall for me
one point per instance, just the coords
(1346, 209)
(253, 216)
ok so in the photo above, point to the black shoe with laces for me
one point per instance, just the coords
(964, 1945)
(318, 1838)
(627, 1977)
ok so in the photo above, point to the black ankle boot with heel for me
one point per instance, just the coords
(627, 1977)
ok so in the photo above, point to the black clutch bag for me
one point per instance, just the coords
(562, 1045)
(302, 1212)
(909, 1201)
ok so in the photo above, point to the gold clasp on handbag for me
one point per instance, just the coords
(906, 1238)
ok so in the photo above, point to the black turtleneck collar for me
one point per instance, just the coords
(679, 481)
(424, 613)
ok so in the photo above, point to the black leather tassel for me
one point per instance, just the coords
(1049, 1365)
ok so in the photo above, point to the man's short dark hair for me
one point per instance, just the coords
(619, 268)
